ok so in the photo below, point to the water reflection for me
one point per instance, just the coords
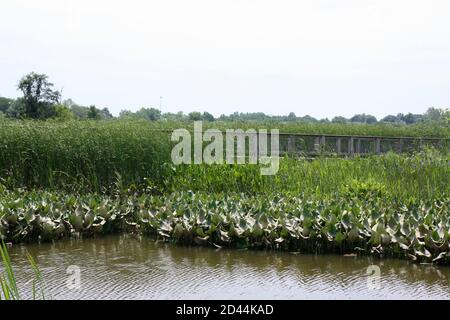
(129, 267)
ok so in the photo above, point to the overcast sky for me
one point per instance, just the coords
(319, 57)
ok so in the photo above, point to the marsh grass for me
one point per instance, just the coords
(423, 175)
(87, 156)
(86, 178)
(7, 279)
(8, 282)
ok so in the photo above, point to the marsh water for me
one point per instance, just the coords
(126, 267)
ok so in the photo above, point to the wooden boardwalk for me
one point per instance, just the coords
(316, 144)
(302, 144)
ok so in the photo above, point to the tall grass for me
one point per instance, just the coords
(91, 155)
(82, 155)
(360, 129)
(8, 283)
(424, 175)
(84, 177)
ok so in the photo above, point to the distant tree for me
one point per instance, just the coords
(93, 113)
(38, 95)
(63, 112)
(358, 118)
(195, 116)
(339, 119)
(234, 116)
(174, 116)
(80, 112)
(151, 114)
(181, 115)
(390, 118)
(412, 118)
(308, 118)
(371, 119)
(291, 116)
(207, 116)
(126, 114)
(435, 114)
(363, 118)
(105, 114)
(17, 109)
(5, 103)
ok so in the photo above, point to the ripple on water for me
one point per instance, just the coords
(124, 267)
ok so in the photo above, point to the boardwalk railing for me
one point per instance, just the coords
(315, 144)
(301, 144)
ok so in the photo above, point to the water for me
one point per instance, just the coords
(126, 267)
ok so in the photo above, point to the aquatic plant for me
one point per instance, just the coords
(8, 284)
(358, 222)
(86, 178)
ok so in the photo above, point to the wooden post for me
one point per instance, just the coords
(399, 145)
(338, 145)
(317, 144)
(290, 145)
(378, 146)
(351, 151)
(358, 146)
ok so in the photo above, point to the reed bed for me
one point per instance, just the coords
(89, 156)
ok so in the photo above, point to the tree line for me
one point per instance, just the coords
(41, 101)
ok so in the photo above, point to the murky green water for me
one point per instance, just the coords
(124, 267)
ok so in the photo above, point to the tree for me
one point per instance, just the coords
(435, 114)
(174, 116)
(93, 113)
(308, 118)
(151, 114)
(363, 118)
(207, 116)
(292, 116)
(62, 112)
(195, 116)
(371, 119)
(16, 109)
(126, 114)
(80, 112)
(38, 95)
(5, 103)
(390, 118)
(339, 119)
(412, 118)
(105, 114)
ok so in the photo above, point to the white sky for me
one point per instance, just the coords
(317, 57)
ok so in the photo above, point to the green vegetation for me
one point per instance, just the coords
(92, 178)
(8, 284)
(89, 156)
(41, 101)
(81, 155)
(64, 177)
(359, 221)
